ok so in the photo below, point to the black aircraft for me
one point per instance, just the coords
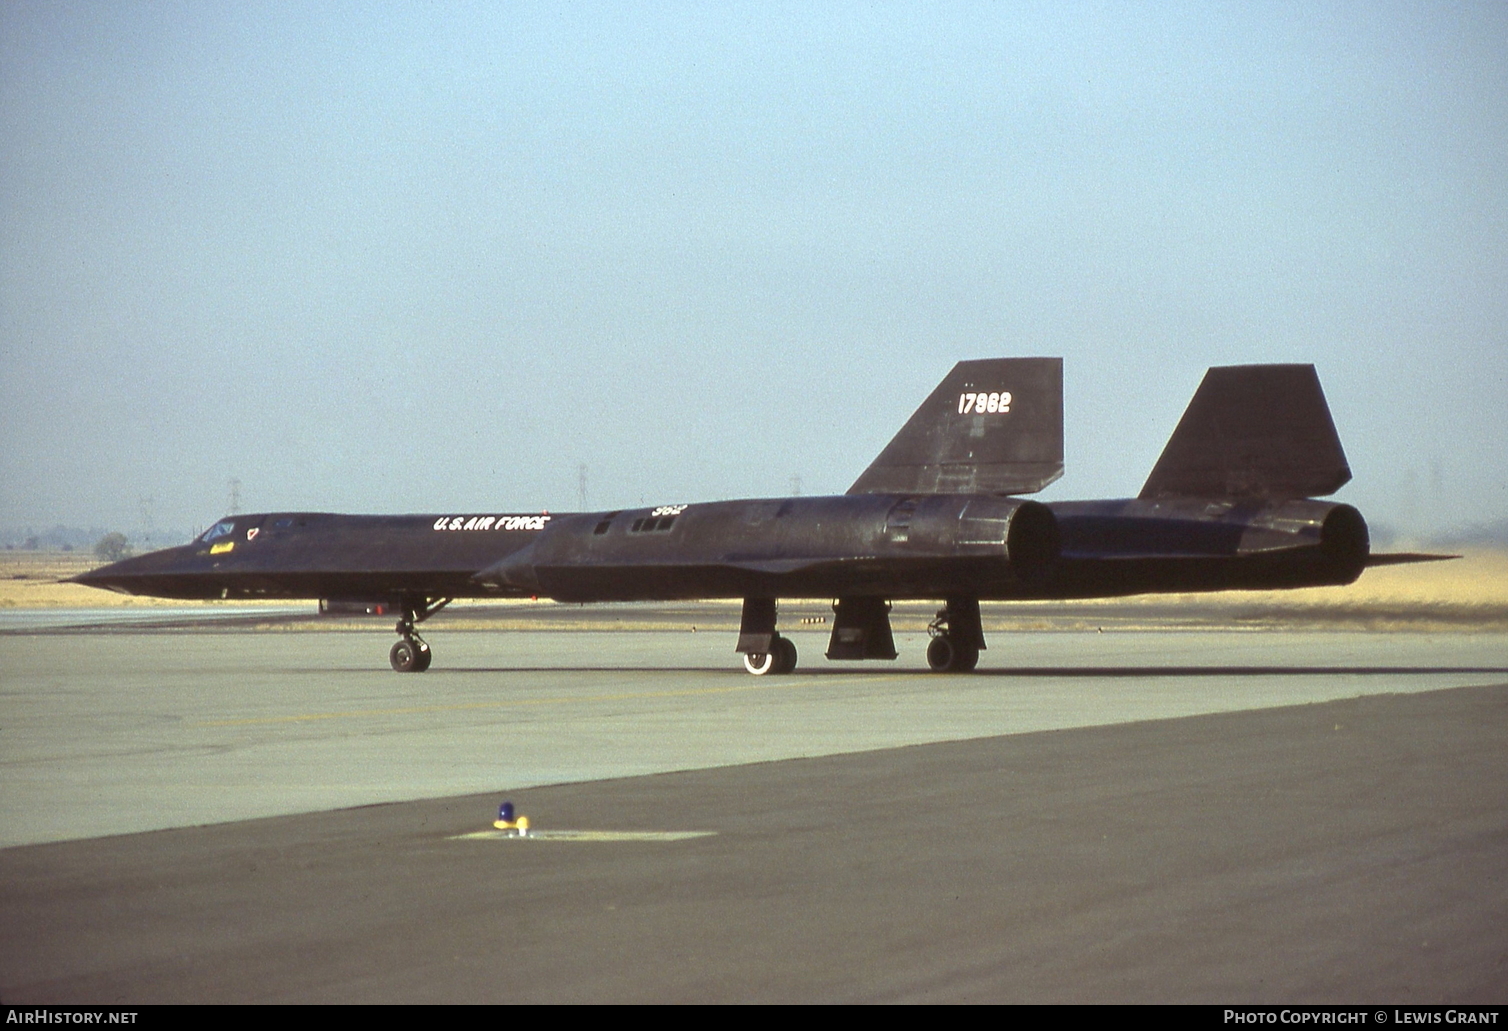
(1230, 505)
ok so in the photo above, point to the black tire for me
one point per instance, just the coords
(940, 655)
(426, 656)
(405, 657)
(945, 655)
(785, 654)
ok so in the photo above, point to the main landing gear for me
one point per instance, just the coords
(861, 630)
(957, 637)
(412, 653)
(765, 651)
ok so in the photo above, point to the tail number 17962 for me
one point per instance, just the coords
(979, 403)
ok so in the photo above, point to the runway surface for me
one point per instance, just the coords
(1187, 816)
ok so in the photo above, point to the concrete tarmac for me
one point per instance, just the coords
(1115, 817)
(115, 732)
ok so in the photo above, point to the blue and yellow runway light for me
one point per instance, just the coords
(506, 821)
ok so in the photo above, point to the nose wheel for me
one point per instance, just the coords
(410, 655)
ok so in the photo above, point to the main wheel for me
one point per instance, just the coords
(940, 654)
(945, 655)
(406, 657)
(785, 654)
(759, 663)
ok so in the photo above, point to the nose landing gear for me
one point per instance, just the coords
(412, 654)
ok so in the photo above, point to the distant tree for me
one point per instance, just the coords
(112, 547)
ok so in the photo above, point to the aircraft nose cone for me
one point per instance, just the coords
(92, 578)
(139, 574)
(112, 575)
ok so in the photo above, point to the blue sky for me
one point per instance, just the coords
(391, 258)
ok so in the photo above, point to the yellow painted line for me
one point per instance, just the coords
(411, 710)
(564, 835)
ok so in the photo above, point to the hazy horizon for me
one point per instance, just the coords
(389, 258)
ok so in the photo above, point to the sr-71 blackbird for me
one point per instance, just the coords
(1231, 505)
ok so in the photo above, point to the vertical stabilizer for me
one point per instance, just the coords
(1253, 431)
(991, 427)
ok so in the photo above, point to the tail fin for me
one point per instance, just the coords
(1253, 431)
(991, 427)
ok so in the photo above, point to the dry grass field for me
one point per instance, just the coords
(1469, 594)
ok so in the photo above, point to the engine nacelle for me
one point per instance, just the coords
(1345, 541)
(1024, 533)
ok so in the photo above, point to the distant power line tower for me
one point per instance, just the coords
(235, 496)
(796, 485)
(581, 485)
(147, 523)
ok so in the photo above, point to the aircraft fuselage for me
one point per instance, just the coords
(892, 546)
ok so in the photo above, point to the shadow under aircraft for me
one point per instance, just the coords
(1234, 503)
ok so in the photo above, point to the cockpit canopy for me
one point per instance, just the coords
(224, 528)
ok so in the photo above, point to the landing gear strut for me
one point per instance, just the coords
(412, 654)
(957, 637)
